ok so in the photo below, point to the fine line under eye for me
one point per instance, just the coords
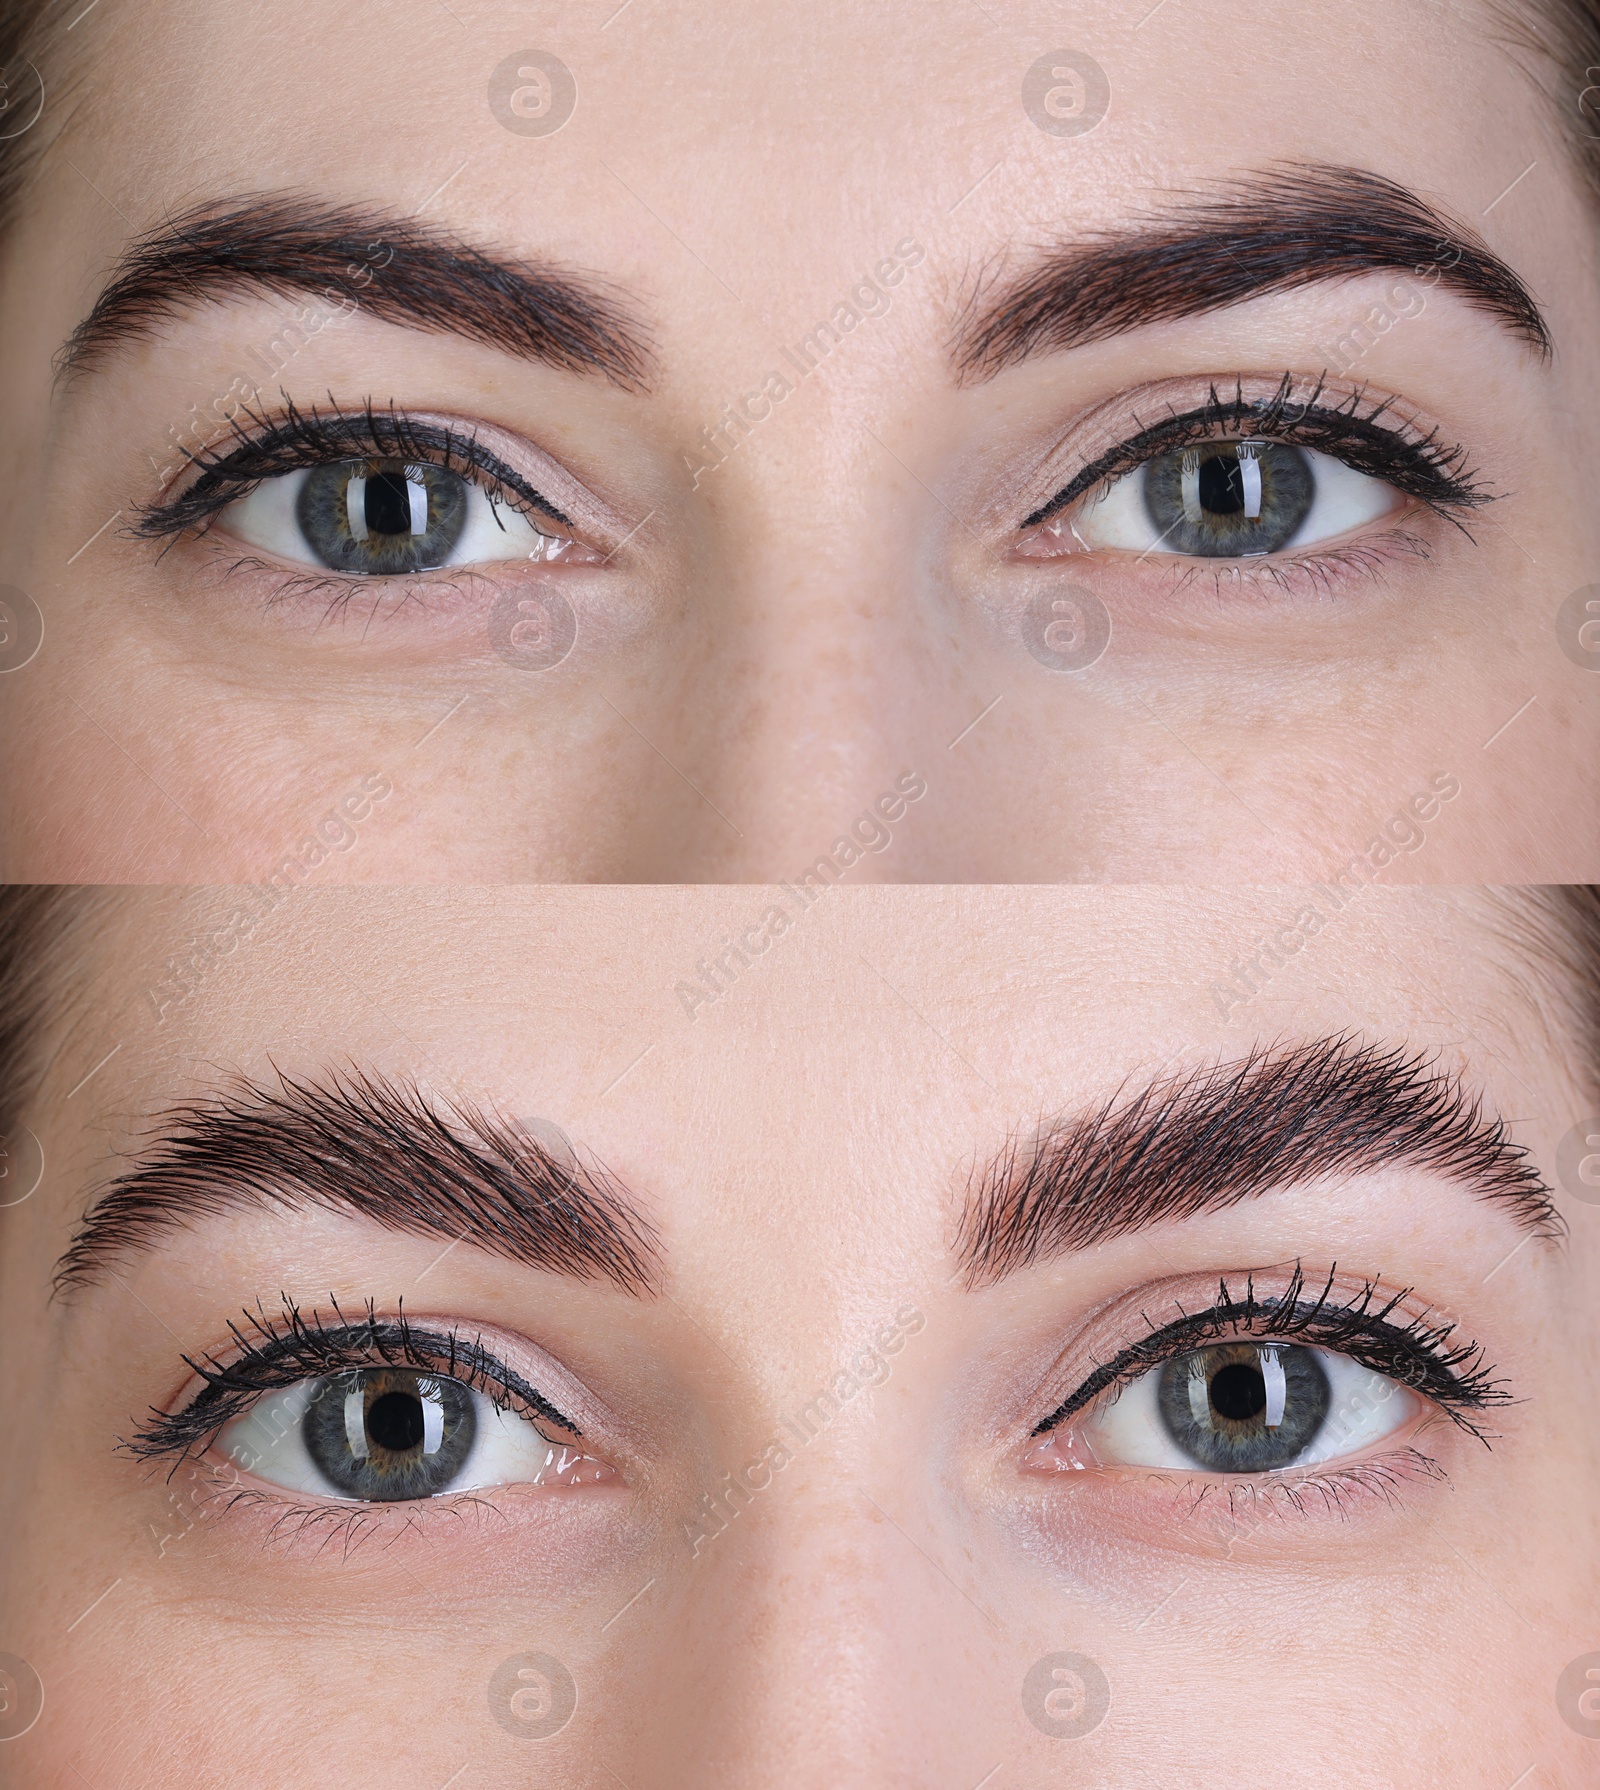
(1352, 430)
(1414, 1351)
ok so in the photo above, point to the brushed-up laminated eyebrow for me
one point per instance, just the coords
(362, 1144)
(1206, 1139)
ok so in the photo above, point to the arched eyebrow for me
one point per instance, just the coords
(372, 1148)
(395, 268)
(1206, 1139)
(1285, 227)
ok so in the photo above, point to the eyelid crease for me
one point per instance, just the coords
(295, 1348)
(1420, 465)
(1418, 1354)
(269, 449)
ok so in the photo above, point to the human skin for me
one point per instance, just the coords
(770, 643)
(801, 1146)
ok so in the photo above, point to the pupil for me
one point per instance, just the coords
(1221, 488)
(1239, 1392)
(388, 503)
(394, 1419)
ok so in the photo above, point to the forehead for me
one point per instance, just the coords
(686, 146)
(996, 999)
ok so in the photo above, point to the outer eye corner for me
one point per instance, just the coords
(1062, 1449)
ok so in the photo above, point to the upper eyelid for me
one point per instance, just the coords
(164, 516)
(1168, 1340)
(1129, 455)
(1341, 424)
(275, 1347)
(448, 1350)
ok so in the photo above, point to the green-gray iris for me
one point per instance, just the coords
(382, 517)
(1228, 499)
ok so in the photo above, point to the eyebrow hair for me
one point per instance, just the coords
(293, 243)
(365, 1146)
(1206, 1139)
(1289, 226)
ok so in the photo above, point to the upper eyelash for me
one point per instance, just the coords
(273, 1355)
(264, 449)
(1418, 1354)
(1422, 466)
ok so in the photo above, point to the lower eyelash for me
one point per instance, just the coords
(1335, 1490)
(388, 593)
(1313, 574)
(332, 1525)
(290, 1523)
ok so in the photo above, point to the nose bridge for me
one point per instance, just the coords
(827, 667)
(822, 1642)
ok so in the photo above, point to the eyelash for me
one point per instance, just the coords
(277, 1353)
(1421, 466)
(266, 449)
(1418, 1354)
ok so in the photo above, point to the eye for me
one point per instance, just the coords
(382, 518)
(1247, 1407)
(1231, 500)
(387, 1434)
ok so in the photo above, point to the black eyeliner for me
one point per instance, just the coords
(1422, 467)
(274, 1355)
(1417, 1354)
(263, 449)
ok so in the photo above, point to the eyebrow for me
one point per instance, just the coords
(393, 267)
(1206, 1139)
(364, 1146)
(1286, 227)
